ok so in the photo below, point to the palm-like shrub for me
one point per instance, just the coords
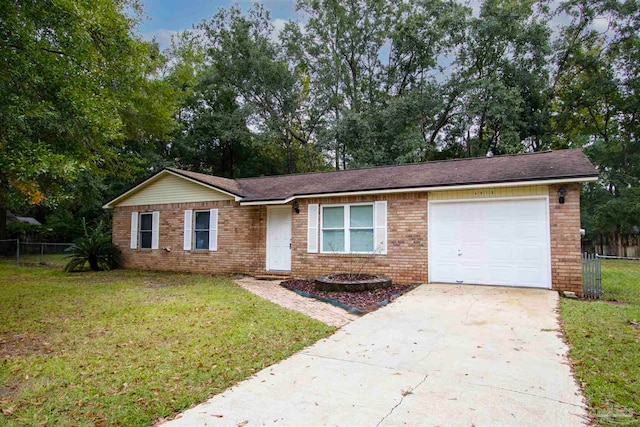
(94, 248)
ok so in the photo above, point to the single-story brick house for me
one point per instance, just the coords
(506, 220)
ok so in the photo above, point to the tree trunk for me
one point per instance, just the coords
(3, 212)
(3, 222)
(93, 263)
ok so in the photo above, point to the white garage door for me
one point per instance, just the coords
(497, 242)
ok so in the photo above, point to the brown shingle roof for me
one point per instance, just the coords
(484, 170)
(225, 184)
(567, 164)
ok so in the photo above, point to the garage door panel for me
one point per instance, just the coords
(534, 254)
(446, 253)
(498, 242)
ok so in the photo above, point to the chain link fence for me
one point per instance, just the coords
(45, 253)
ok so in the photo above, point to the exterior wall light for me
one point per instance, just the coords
(562, 192)
(296, 206)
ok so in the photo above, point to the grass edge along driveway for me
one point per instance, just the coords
(604, 338)
(130, 347)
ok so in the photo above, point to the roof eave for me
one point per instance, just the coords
(542, 181)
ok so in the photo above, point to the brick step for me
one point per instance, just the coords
(273, 277)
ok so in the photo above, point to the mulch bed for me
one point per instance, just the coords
(365, 301)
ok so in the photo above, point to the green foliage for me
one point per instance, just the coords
(87, 109)
(24, 231)
(75, 90)
(597, 106)
(603, 338)
(94, 248)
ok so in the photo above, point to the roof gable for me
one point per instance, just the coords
(169, 187)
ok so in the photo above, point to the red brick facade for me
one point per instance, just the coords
(566, 262)
(406, 257)
(241, 229)
(242, 240)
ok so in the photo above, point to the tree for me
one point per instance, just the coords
(215, 138)
(597, 104)
(245, 58)
(373, 62)
(73, 85)
(502, 67)
(94, 248)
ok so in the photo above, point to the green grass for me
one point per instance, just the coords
(130, 347)
(605, 344)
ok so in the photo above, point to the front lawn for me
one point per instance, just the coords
(129, 347)
(605, 344)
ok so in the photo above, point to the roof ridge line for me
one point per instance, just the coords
(402, 164)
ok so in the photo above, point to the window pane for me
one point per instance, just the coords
(333, 217)
(202, 239)
(202, 220)
(146, 222)
(361, 216)
(145, 240)
(361, 240)
(333, 241)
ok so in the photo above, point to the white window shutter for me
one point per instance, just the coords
(380, 222)
(213, 230)
(155, 238)
(312, 228)
(134, 230)
(188, 217)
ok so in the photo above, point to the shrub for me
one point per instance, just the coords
(94, 248)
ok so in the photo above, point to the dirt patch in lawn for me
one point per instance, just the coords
(15, 345)
(365, 301)
(7, 391)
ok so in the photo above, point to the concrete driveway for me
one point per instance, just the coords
(442, 355)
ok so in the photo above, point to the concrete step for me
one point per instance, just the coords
(273, 276)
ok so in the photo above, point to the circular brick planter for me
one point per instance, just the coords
(345, 282)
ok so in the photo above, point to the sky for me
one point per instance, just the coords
(166, 17)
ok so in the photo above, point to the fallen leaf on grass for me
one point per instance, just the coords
(9, 410)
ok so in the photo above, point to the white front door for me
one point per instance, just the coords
(279, 239)
(493, 242)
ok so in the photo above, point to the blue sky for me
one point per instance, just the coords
(166, 17)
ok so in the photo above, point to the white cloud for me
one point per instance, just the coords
(601, 25)
(278, 26)
(162, 37)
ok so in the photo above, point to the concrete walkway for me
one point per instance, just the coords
(272, 291)
(442, 355)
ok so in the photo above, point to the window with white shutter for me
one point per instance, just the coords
(134, 230)
(312, 228)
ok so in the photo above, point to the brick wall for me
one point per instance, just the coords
(566, 262)
(242, 240)
(406, 258)
(241, 232)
